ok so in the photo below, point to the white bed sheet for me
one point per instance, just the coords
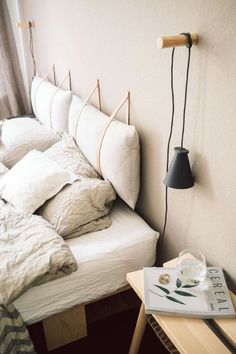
(104, 257)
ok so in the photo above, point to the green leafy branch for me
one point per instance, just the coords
(179, 285)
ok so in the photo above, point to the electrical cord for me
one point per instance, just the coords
(189, 45)
(32, 47)
(159, 246)
(34, 64)
(160, 242)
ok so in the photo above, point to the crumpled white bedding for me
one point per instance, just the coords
(31, 252)
(104, 257)
(78, 205)
(21, 135)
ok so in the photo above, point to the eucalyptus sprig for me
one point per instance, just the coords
(179, 285)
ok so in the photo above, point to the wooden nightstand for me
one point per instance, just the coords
(189, 335)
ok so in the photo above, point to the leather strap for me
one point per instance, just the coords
(112, 117)
(53, 96)
(43, 79)
(96, 87)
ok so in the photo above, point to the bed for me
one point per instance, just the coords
(103, 257)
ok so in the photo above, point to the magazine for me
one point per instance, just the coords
(165, 294)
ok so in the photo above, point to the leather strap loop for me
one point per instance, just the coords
(96, 87)
(113, 115)
(58, 88)
(43, 79)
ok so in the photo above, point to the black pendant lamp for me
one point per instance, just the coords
(179, 175)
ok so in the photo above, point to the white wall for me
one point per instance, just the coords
(116, 42)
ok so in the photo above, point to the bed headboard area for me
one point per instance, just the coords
(116, 41)
(50, 103)
(111, 146)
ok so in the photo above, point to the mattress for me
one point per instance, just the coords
(104, 257)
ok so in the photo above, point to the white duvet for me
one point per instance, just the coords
(31, 252)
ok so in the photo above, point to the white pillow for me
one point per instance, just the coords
(78, 204)
(3, 169)
(32, 181)
(67, 154)
(50, 104)
(120, 153)
(78, 208)
(35, 84)
(75, 107)
(21, 135)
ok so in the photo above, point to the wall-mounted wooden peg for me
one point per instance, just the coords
(175, 41)
(25, 25)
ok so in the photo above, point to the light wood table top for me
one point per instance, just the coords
(189, 335)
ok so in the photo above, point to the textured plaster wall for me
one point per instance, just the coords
(115, 41)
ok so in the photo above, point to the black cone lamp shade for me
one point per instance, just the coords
(179, 174)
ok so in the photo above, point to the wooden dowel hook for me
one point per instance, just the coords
(175, 41)
(25, 25)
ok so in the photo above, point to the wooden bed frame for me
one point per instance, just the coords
(70, 325)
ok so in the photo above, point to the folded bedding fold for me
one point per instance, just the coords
(81, 205)
(31, 253)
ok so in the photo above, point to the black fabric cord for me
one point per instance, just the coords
(160, 241)
(32, 48)
(188, 45)
(34, 64)
(189, 38)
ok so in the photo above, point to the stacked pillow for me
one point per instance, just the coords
(67, 154)
(82, 206)
(50, 104)
(20, 135)
(81, 202)
(32, 181)
(62, 185)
